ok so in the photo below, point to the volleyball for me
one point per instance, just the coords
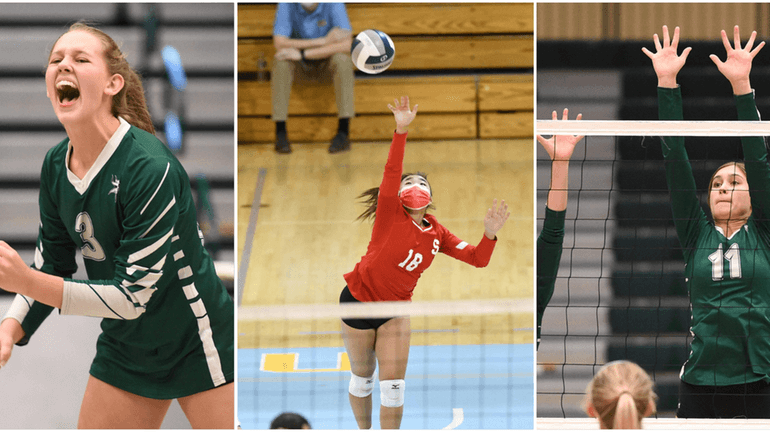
(372, 51)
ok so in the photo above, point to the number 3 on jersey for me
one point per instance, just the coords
(91, 248)
(733, 256)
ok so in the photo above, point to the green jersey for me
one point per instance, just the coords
(549, 248)
(133, 218)
(728, 278)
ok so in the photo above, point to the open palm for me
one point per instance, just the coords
(737, 66)
(560, 147)
(401, 112)
(495, 218)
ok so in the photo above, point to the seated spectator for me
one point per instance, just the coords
(620, 395)
(312, 41)
(290, 420)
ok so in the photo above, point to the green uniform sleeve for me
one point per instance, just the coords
(54, 252)
(549, 248)
(688, 214)
(755, 158)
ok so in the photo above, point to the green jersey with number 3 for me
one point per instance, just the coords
(168, 320)
(728, 278)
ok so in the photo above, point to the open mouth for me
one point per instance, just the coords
(67, 92)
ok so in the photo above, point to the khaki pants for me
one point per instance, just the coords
(338, 67)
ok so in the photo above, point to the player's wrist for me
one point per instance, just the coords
(668, 82)
(11, 327)
(741, 87)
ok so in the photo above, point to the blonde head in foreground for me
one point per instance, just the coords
(620, 395)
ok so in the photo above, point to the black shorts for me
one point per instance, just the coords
(748, 400)
(346, 296)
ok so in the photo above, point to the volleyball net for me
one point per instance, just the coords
(470, 364)
(620, 291)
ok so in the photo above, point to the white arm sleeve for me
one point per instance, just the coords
(97, 300)
(19, 308)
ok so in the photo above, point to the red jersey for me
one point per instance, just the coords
(401, 249)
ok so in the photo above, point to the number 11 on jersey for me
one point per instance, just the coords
(733, 256)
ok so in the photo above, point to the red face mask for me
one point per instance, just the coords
(415, 197)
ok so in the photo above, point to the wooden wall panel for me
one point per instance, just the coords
(442, 18)
(570, 21)
(464, 52)
(433, 94)
(506, 92)
(420, 53)
(505, 125)
(639, 21)
(697, 21)
(368, 127)
(256, 21)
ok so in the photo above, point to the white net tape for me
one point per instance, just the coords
(654, 128)
(385, 309)
(562, 424)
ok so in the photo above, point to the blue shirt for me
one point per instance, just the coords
(294, 22)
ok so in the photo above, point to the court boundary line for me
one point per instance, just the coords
(457, 419)
(246, 255)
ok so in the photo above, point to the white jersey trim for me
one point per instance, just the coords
(156, 267)
(185, 272)
(168, 165)
(461, 245)
(162, 214)
(422, 229)
(207, 338)
(146, 251)
(81, 185)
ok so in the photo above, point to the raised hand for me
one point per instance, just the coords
(666, 62)
(402, 114)
(560, 147)
(737, 66)
(495, 218)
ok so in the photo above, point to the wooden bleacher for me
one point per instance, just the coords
(486, 49)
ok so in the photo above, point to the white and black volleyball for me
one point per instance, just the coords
(372, 51)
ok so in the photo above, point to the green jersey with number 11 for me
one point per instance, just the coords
(728, 278)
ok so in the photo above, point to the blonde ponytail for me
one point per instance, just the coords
(620, 394)
(626, 416)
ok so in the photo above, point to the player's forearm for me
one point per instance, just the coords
(43, 288)
(391, 179)
(558, 192)
(12, 327)
(282, 42)
(329, 50)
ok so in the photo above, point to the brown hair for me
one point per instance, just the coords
(370, 197)
(738, 164)
(129, 103)
(621, 394)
